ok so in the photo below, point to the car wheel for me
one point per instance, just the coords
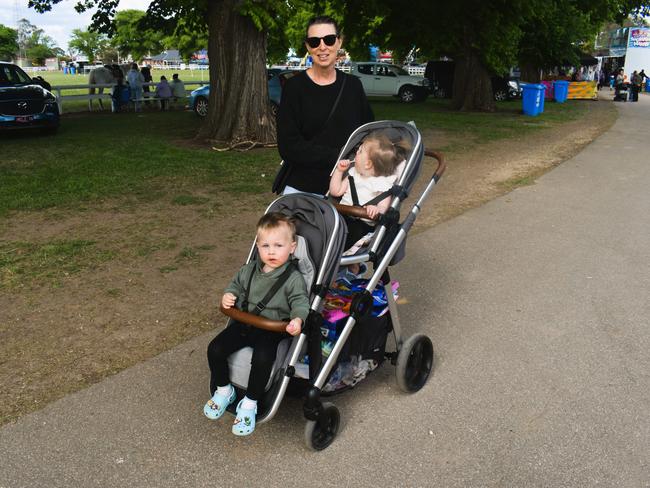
(407, 94)
(201, 107)
(500, 95)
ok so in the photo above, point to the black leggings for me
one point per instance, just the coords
(233, 338)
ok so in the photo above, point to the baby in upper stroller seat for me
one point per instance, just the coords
(377, 166)
(276, 282)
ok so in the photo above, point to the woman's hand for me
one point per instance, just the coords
(343, 165)
(294, 327)
(228, 300)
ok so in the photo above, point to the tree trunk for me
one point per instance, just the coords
(239, 113)
(530, 73)
(472, 84)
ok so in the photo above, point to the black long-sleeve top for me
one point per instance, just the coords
(303, 142)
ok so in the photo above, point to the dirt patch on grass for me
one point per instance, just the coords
(169, 260)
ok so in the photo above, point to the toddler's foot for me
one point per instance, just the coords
(216, 406)
(245, 421)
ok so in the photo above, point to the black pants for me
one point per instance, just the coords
(233, 338)
(357, 228)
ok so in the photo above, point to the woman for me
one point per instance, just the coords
(310, 133)
(135, 80)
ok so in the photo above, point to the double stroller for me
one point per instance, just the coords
(302, 366)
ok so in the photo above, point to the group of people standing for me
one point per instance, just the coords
(635, 83)
(138, 89)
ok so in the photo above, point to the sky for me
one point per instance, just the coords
(59, 22)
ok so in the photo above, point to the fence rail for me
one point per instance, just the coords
(61, 98)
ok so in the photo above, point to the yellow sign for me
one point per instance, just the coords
(583, 90)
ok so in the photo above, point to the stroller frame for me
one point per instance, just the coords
(413, 357)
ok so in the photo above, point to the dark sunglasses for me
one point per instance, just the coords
(314, 42)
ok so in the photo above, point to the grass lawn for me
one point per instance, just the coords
(150, 155)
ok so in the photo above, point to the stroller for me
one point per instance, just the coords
(621, 92)
(361, 337)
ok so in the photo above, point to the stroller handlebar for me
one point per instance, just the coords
(352, 211)
(254, 320)
(441, 163)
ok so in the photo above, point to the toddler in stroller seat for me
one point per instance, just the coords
(276, 289)
(366, 181)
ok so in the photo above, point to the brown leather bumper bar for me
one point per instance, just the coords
(254, 320)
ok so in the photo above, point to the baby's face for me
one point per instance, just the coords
(362, 162)
(275, 246)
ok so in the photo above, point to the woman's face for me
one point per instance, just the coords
(323, 56)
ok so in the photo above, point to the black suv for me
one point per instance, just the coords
(24, 102)
(441, 82)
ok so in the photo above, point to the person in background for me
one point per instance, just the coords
(178, 90)
(164, 93)
(635, 86)
(310, 133)
(135, 79)
(146, 89)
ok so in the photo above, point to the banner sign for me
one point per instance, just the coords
(639, 37)
(583, 90)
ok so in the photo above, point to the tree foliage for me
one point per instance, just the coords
(8, 43)
(131, 36)
(34, 44)
(89, 43)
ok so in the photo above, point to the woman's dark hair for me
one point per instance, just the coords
(322, 19)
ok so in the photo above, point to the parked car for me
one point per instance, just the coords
(386, 80)
(24, 102)
(199, 97)
(441, 81)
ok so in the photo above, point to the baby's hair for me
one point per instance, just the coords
(385, 154)
(273, 220)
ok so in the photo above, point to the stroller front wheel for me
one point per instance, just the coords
(414, 363)
(320, 433)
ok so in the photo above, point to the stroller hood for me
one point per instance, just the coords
(324, 231)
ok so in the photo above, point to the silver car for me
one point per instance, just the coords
(384, 80)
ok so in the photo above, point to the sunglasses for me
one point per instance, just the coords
(314, 42)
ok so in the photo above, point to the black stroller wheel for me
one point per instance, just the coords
(414, 363)
(321, 433)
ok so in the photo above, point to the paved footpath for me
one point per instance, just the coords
(538, 304)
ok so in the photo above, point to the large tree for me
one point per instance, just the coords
(8, 43)
(34, 44)
(132, 37)
(87, 42)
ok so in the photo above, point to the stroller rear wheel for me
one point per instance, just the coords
(321, 433)
(414, 363)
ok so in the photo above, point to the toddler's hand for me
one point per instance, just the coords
(228, 300)
(372, 210)
(293, 327)
(343, 165)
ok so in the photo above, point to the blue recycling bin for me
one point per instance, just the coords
(560, 91)
(647, 85)
(541, 102)
(532, 99)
